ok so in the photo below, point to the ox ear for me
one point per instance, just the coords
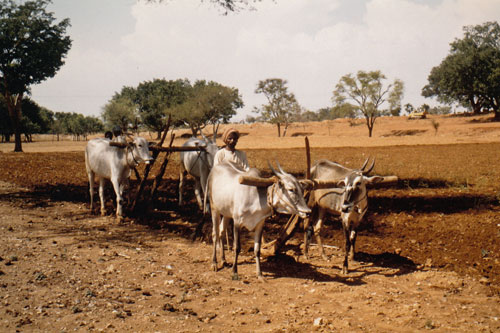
(307, 184)
(373, 179)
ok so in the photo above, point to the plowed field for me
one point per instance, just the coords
(428, 254)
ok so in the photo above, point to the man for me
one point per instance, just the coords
(229, 151)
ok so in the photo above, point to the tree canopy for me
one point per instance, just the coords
(32, 49)
(470, 74)
(282, 105)
(369, 94)
(195, 106)
(153, 98)
(208, 103)
(226, 5)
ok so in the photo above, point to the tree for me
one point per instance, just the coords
(208, 103)
(368, 93)
(119, 112)
(409, 108)
(32, 49)
(282, 105)
(153, 98)
(226, 5)
(470, 74)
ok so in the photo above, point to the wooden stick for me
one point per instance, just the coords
(308, 159)
(118, 144)
(257, 181)
(149, 166)
(158, 149)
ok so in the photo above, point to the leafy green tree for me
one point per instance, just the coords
(282, 105)
(369, 94)
(226, 5)
(119, 112)
(409, 108)
(154, 98)
(470, 74)
(5, 121)
(343, 110)
(32, 49)
(440, 110)
(208, 103)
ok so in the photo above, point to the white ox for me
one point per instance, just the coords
(113, 163)
(198, 164)
(249, 206)
(350, 202)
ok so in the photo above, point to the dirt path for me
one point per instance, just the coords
(62, 269)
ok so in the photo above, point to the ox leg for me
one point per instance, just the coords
(124, 191)
(198, 193)
(256, 247)
(308, 231)
(222, 230)
(119, 200)
(216, 220)
(102, 182)
(345, 266)
(317, 232)
(91, 190)
(182, 175)
(237, 249)
(352, 236)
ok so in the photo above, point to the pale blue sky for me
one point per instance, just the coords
(310, 43)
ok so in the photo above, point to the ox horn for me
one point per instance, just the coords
(364, 164)
(272, 168)
(280, 168)
(366, 172)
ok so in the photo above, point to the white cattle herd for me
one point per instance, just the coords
(247, 204)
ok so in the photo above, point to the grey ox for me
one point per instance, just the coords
(350, 201)
(249, 206)
(113, 163)
(198, 164)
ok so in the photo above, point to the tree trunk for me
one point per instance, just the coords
(14, 108)
(286, 128)
(279, 129)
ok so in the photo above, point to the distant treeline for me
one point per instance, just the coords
(39, 120)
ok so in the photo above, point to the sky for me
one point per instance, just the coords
(309, 43)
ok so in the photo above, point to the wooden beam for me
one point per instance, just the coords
(257, 181)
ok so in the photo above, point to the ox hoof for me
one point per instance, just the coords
(235, 277)
(119, 219)
(214, 267)
(261, 278)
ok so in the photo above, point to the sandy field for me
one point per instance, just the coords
(428, 251)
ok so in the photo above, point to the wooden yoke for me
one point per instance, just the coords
(257, 181)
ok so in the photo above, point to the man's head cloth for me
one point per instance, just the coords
(228, 132)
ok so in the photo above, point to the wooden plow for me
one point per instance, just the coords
(286, 232)
(145, 200)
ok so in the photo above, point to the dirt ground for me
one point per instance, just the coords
(428, 254)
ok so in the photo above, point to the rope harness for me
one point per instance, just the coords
(270, 194)
(131, 150)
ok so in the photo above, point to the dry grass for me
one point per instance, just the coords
(388, 131)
